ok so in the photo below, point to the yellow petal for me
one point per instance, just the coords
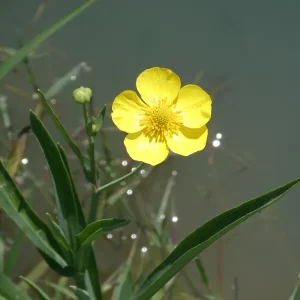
(195, 105)
(188, 141)
(140, 148)
(126, 111)
(158, 84)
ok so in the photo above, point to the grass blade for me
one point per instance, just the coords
(81, 294)
(9, 291)
(202, 272)
(13, 254)
(123, 289)
(2, 251)
(21, 213)
(203, 236)
(10, 63)
(62, 290)
(38, 291)
(296, 292)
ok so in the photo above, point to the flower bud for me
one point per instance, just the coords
(82, 95)
(95, 129)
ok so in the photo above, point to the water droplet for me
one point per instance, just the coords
(133, 236)
(124, 163)
(24, 161)
(144, 249)
(216, 143)
(174, 173)
(109, 236)
(219, 135)
(175, 219)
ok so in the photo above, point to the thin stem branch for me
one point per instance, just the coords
(111, 184)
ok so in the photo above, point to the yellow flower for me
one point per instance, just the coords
(168, 118)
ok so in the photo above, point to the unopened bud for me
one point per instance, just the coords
(82, 95)
(95, 129)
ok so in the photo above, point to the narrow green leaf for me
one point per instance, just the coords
(80, 214)
(91, 278)
(204, 236)
(62, 290)
(94, 125)
(296, 292)
(2, 251)
(61, 240)
(63, 131)
(123, 290)
(9, 291)
(13, 253)
(10, 63)
(62, 182)
(21, 213)
(81, 294)
(67, 271)
(202, 272)
(61, 83)
(93, 230)
(39, 292)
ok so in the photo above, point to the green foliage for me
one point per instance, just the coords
(81, 294)
(16, 207)
(9, 291)
(203, 236)
(296, 292)
(10, 63)
(94, 125)
(38, 291)
(93, 230)
(66, 197)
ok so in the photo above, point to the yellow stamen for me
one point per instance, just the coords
(161, 121)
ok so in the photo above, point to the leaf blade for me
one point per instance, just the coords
(93, 230)
(9, 291)
(61, 179)
(21, 213)
(81, 294)
(39, 292)
(10, 63)
(204, 236)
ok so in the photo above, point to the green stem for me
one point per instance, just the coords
(91, 148)
(93, 208)
(79, 280)
(106, 186)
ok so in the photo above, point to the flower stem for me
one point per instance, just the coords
(95, 196)
(91, 148)
(106, 186)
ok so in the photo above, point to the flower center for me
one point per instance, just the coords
(161, 122)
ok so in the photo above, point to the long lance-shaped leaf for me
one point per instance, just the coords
(62, 182)
(38, 291)
(93, 230)
(9, 291)
(10, 63)
(28, 221)
(204, 236)
(70, 213)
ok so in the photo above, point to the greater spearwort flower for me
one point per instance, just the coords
(167, 118)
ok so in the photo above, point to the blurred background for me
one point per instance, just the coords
(245, 54)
